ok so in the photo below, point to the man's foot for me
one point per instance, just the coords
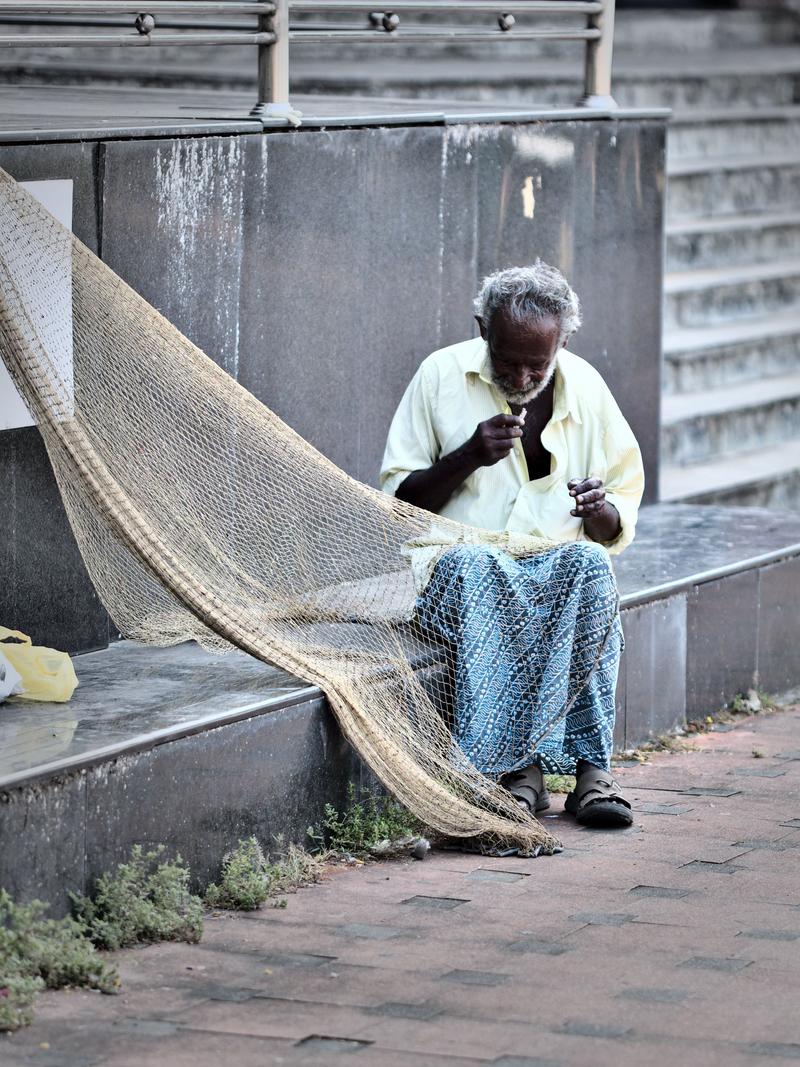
(528, 788)
(597, 800)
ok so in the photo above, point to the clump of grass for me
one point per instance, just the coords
(142, 901)
(36, 953)
(244, 882)
(372, 825)
(559, 783)
(674, 742)
(248, 878)
(294, 868)
(17, 994)
(753, 702)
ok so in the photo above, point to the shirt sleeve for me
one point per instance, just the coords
(412, 443)
(624, 482)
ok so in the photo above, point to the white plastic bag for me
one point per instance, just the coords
(10, 679)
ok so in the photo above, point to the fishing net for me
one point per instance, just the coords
(202, 516)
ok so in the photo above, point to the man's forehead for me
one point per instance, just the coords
(535, 338)
(505, 324)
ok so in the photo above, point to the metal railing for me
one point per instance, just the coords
(274, 34)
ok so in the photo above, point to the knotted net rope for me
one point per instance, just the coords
(202, 516)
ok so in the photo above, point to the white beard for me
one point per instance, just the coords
(523, 397)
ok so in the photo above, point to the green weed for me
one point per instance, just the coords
(37, 953)
(249, 879)
(142, 901)
(244, 882)
(368, 826)
(559, 783)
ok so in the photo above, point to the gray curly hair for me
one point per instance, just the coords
(530, 294)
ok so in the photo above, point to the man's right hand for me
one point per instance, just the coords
(494, 439)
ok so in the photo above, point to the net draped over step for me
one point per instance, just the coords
(201, 515)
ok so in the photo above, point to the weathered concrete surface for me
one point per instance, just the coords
(233, 746)
(320, 266)
(673, 942)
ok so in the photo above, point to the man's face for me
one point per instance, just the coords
(522, 355)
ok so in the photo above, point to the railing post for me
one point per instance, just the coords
(273, 67)
(599, 53)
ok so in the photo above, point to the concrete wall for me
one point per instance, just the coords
(319, 267)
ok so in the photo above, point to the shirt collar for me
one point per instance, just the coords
(564, 401)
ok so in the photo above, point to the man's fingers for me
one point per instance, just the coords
(582, 510)
(591, 496)
(506, 420)
(578, 487)
(506, 433)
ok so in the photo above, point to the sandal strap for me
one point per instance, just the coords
(598, 785)
(526, 785)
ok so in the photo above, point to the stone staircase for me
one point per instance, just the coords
(731, 335)
(731, 342)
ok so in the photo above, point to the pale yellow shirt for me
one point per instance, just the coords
(587, 436)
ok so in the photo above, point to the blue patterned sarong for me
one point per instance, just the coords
(535, 646)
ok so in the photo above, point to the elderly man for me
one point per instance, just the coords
(510, 431)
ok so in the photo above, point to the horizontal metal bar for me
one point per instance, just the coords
(38, 40)
(418, 36)
(150, 7)
(584, 7)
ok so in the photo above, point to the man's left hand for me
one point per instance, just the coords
(601, 520)
(590, 497)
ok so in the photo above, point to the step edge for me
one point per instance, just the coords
(679, 168)
(726, 223)
(688, 339)
(737, 397)
(679, 585)
(692, 280)
(144, 742)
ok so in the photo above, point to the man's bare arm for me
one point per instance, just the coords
(432, 488)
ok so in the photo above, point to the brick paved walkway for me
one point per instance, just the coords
(675, 942)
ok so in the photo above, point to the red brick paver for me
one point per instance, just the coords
(675, 941)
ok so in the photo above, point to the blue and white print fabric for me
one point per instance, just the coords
(535, 646)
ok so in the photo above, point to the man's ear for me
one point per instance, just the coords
(481, 326)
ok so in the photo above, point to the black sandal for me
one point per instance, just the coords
(528, 788)
(597, 801)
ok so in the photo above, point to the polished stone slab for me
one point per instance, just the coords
(132, 697)
(680, 546)
(33, 113)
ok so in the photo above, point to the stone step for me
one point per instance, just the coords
(718, 295)
(666, 29)
(733, 239)
(748, 78)
(727, 185)
(713, 357)
(724, 130)
(768, 477)
(232, 747)
(703, 60)
(697, 427)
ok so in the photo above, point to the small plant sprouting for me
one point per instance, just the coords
(142, 901)
(244, 882)
(368, 826)
(559, 783)
(36, 953)
(248, 878)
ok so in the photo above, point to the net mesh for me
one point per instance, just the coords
(201, 515)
